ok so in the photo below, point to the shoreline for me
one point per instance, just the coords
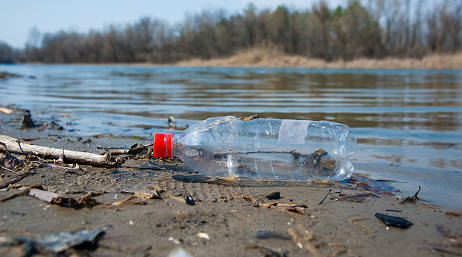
(269, 58)
(229, 218)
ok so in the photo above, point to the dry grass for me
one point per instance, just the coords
(264, 57)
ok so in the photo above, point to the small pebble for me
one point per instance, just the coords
(393, 221)
(273, 196)
(268, 234)
(203, 235)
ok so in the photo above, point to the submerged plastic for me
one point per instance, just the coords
(268, 149)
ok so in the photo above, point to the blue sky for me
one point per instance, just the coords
(19, 16)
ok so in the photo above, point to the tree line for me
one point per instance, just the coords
(371, 29)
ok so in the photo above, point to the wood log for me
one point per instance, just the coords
(68, 156)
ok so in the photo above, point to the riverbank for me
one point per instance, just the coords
(272, 58)
(229, 218)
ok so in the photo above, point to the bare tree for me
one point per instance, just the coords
(381, 28)
(6, 53)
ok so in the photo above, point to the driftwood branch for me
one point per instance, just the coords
(6, 183)
(13, 145)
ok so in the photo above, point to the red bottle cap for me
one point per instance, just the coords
(162, 146)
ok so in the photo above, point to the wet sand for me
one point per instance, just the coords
(229, 212)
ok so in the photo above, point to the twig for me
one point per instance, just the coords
(4, 146)
(446, 251)
(6, 150)
(106, 148)
(140, 198)
(53, 198)
(19, 144)
(120, 203)
(23, 191)
(392, 210)
(325, 197)
(179, 199)
(16, 179)
(73, 169)
(416, 193)
(9, 197)
(358, 198)
(54, 153)
(303, 242)
(10, 160)
(355, 221)
(412, 199)
(291, 205)
(119, 151)
(5, 168)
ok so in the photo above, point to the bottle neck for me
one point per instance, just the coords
(162, 146)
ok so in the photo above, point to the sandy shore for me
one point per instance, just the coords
(230, 218)
(272, 58)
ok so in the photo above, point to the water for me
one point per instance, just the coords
(408, 122)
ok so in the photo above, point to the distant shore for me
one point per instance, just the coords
(268, 58)
(273, 58)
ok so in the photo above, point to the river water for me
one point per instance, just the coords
(408, 122)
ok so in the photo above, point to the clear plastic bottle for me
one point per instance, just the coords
(267, 149)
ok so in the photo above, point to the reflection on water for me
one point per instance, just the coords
(404, 119)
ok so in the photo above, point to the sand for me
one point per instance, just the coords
(272, 58)
(227, 215)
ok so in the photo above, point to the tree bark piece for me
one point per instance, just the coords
(13, 180)
(13, 145)
(49, 197)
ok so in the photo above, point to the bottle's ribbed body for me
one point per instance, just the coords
(269, 149)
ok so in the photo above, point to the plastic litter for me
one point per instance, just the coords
(61, 241)
(179, 252)
(268, 149)
(189, 200)
(393, 221)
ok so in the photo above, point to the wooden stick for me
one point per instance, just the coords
(13, 145)
(13, 180)
(325, 197)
